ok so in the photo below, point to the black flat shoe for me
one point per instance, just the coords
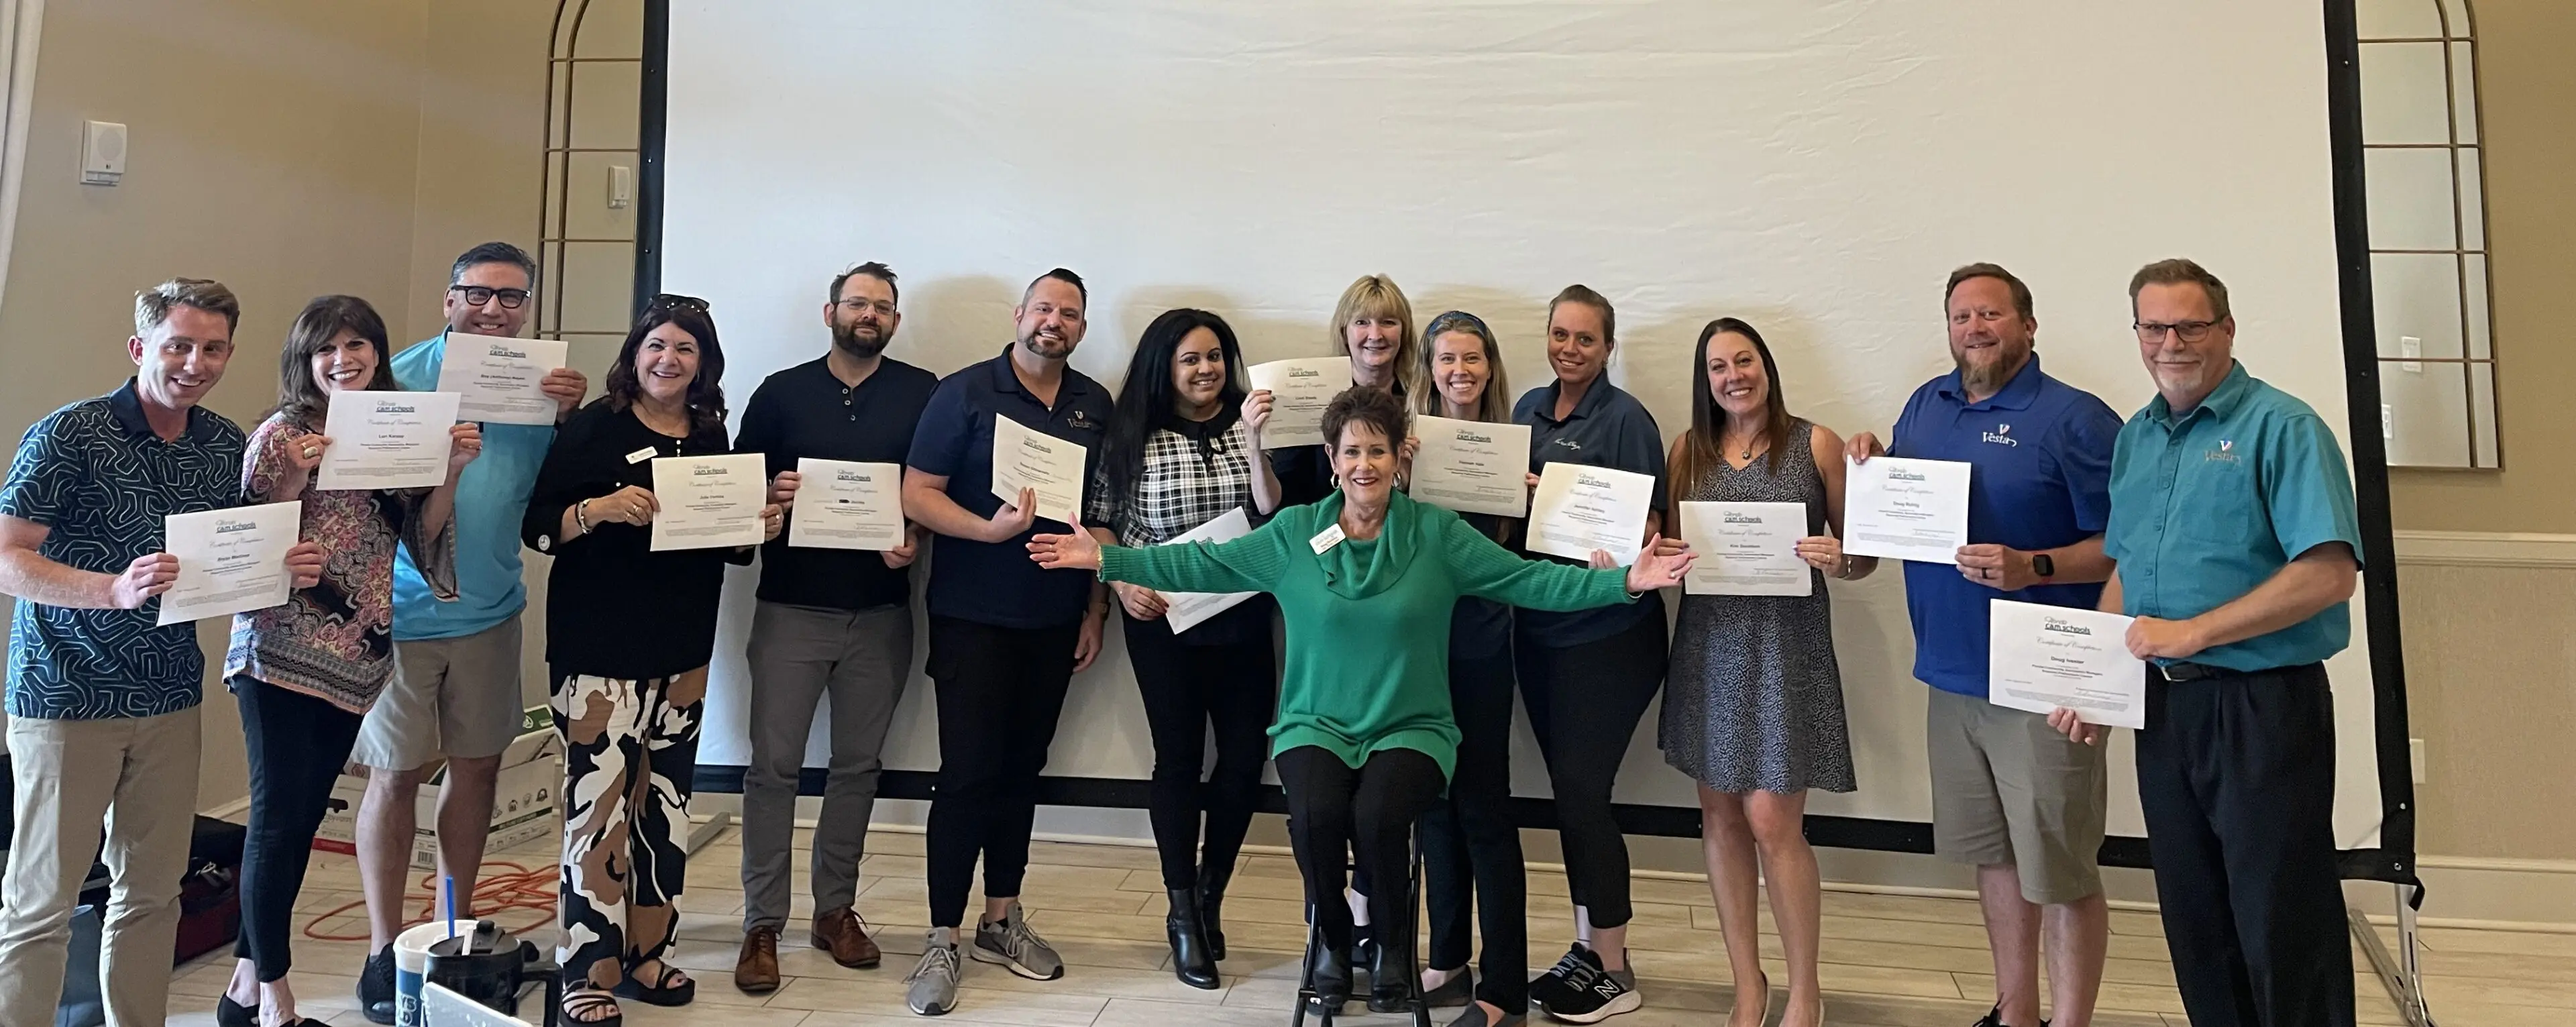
(1330, 975)
(229, 1013)
(376, 987)
(1460, 991)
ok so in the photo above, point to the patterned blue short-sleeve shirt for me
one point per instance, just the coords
(94, 474)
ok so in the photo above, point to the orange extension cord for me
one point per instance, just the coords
(516, 888)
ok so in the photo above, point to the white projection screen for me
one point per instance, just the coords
(1816, 168)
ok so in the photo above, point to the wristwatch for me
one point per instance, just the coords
(2041, 565)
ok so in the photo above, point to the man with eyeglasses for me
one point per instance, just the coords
(456, 690)
(2232, 521)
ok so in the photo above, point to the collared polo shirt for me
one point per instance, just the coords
(2041, 452)
(806, 411)
(2208, 505)
(94, 474)
(491, 498)
(1607, 428)
(997, 583)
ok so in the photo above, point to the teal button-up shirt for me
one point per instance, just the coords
(2206, 506)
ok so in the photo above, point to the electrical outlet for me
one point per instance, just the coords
(2410, 347)
(2387, 422)
(2415, 757)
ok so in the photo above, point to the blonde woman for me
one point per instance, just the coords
(1373, 326)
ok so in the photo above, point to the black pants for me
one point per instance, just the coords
(297, 744)
(2236, 775)
(1186, 689)
(1334, 809)
(1000, 691)
(1584, 704)
(1471, 850)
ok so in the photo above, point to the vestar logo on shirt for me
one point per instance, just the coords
(2226, 451)
(1082, 421)
(2002, 436)
(1569, 443)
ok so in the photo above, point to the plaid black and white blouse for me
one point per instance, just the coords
(1187, 480)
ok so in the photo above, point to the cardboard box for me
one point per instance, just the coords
(524, 806)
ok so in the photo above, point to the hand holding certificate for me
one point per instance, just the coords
(1471, 466)
(386, 440)
(1186, 610)
(841, 504)
(499, 380)
(230, 561)
(1747, 549)
(1299, 391)
(1579, 509)
(1025, 458)
(1905, 509)
(2047, 658)
(709, 501)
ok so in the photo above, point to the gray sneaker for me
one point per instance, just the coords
(1009, 942)
(933, 990)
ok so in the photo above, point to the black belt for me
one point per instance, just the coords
(2194, 671)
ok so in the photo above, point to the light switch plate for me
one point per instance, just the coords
(2410, 347)
(2387, 422)
(621, 186)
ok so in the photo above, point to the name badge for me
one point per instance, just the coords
(1326, 539)
(641, 455)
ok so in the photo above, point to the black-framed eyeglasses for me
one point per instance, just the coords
(2190, 331)
(476, 295)
(675, 301)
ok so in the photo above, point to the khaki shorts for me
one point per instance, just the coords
(456, 697)
(2008, 789)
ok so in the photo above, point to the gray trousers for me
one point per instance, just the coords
(799, 655)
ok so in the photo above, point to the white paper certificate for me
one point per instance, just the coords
(229, 560)
(709, 501)
(1025, 458)
(1472, 466)
(1185, 610)
(1299, 391)
(1579, 509)
(843, 504)
(2058, 657)
(1746, 549)
(386, 440)
(1905, 509)
(498, 377)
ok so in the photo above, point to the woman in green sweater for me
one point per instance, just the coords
(1366, 579)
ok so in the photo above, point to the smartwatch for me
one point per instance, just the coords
(2041, 565)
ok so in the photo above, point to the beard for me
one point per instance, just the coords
(1989, 376)
(847, 339)
(1052, 348)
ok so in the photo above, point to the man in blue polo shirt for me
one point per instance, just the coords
(2232, 521)
(102, 703)
(1006, 636)
(2017, 798)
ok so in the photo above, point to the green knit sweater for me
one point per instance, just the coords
(1368, 622)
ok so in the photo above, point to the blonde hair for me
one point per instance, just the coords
(152, 306)
(1496, 404)
(1377, 296)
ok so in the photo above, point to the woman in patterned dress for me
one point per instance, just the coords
(1753, 706)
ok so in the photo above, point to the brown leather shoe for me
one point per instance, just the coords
(841, 933)
(756, 970)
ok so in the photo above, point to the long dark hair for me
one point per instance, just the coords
(1146, 400)
(299, 395)
(1708, 420)
(706, 391)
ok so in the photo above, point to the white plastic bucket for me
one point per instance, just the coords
(411, 962)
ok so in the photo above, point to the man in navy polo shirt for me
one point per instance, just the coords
(102, 703)
(2232, 518)
(2018, 798)
(1006, 635)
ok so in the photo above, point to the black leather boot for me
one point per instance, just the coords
(1330, 974)
(1391, 982)
(1190, 960)
(1212, 882)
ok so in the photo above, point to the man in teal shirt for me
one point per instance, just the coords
(455, 691)
(2232, 521)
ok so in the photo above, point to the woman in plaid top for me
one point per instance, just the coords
(1180, 455)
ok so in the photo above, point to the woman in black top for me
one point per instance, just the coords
(629, 632)
(1373, 326)
(1178, 457)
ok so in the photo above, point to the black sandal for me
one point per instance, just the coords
(588, 1000)
(229, 1013)
(661, 992)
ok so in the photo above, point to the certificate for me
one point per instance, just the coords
(386, 440)
(1025, 458)
(1579, 509)
(1905, 509)
(2045, 658)
(498, 377)
(229, 560)
(1472, 466)
(1186, 610)
(842, 504)
(1746, 549)
(709, 501)
(1299, 391)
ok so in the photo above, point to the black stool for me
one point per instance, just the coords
(1417, 1007)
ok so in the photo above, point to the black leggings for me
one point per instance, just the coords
(1186, 689)
(1335, 809)
(297, 745)
(1471, 849)
(1000, 691)
(1584, 704)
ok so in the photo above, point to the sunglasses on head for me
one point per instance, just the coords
(675, 301)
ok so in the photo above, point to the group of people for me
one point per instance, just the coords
(2220, 516)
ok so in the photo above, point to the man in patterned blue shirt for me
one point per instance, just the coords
(103, 704)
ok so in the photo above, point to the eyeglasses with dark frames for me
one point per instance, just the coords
(2190, 331)
(477, 295)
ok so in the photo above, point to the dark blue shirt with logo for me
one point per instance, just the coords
(996, 583)
(1606, 428)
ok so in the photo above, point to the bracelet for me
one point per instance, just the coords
(578, 519)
